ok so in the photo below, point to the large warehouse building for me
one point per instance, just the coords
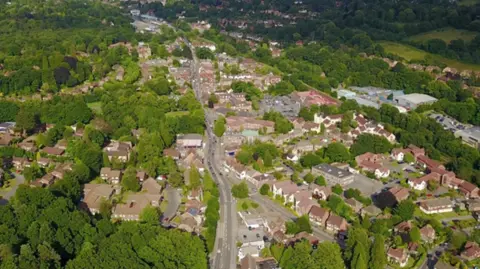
(413, 100)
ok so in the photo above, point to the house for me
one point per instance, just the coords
(20, 162)
(320, 192)
(336, 224)
(195, 194)
(172, 153)
(111, 176)
(318, 215)
(473, 205)
(240, 124)
(397, 154)
(303, 146)
(422, 182)
(370, 210)
(427, 163)
(141, 176)
(53, 151)
(333, 175)
(435, 206)
(398, 255)
(239, 169)
(354, 204)
(94, 195)
(28, 145)
(187, 141)
(391, 197)
(190, 223)
(62, 144)
(118, 150)
(43, 162)
(61, 169)
(403, 227)
(427, 233)
(285, 189)
(471, 251)
(151, 186)
(370, 157)
(303, 202)
(134, 205)
(376, 168)
(469, 190)
(293, 157)
(46, 181)
(259, 179)
(250, 262)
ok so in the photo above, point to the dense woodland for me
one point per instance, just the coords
(48, 45)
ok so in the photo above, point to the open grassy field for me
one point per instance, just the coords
(411, 53)
(96, 107)
(445, 34)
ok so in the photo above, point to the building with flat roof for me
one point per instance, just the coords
(470, 136)
(413, 100)
(333, 175)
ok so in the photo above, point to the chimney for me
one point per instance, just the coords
(131, 204)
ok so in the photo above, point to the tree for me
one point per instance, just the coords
(267, 159)
(26, 120)
(129, 180)
(337, 189)
(95, 136)
(378, 257)
(405, 210)
(432, 185)
(328, 256)
(458, 240)
(337, 152)
(150, 215)
(408, 157)
(219, 127)
(308, 178)
(414, 234)
(195, 181)
(264, 189)
(320, 181)
(240, 190)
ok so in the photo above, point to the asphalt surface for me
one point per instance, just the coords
(224, 253)
(20, 179)
(173, 202)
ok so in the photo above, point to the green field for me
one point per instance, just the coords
(96, 107)
(176, 113)
(411, 53)
(445, 34)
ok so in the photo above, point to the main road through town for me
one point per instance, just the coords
(224, 254)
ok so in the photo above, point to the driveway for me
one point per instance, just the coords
(20, 179)
(173, 202)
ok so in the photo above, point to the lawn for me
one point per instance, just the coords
(249, 202)
(445, 34)
(96, 107)
(411, 53)
(440, 216)
(176, 113)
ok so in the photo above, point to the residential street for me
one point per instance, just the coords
(174, 199)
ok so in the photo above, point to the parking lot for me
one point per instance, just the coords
(449, 123)
(367, 186)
